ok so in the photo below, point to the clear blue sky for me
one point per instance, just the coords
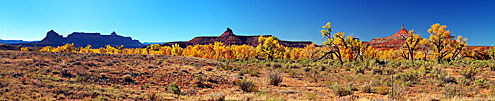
(162, 20)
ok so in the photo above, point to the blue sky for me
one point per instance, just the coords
(162, 20)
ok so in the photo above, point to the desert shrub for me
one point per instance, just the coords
(381, 90)
(128, 78)
(274, 99)
(425, 69)
(360, 69)
(242, 72)
(260, 92)
(409, 77)
(341, 91)
(441, 76)
(247, 85)
(470, 72)
(275, 78)
(491, 66)
(311, 96)
(450, 90)
(398, 92)
(292, 73)
(153, 96)
(174, 88)
(377, 70)
(482, 83)
(217, 97)
(366, 88)
(253, 72)
(295, 66)
(66, 73)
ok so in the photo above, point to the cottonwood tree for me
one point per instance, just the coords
(442, 44)
(412, 43)
(269, 47)
(457, 46)
(340, 46)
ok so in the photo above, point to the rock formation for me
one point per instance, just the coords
(391, 42)
(229, 38)
(81, 39)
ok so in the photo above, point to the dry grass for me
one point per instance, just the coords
(66, 76)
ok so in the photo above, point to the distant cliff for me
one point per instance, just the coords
(13, 41)
(81, 39)
(229, 38)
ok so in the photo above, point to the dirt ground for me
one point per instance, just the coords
(66, 76)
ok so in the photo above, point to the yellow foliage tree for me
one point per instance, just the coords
(412, 43)
(457, 46)
(46, 49)
(340, 46)
(176, 50)
(442, 44)
(269, 47)
(24, 49)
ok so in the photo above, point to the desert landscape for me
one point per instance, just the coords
(236, 50)
(343, 68)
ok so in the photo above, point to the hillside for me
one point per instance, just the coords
(82, 39)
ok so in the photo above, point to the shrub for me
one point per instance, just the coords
(377, 70)
(341, 91)
(491, 66)
(311, 96)
(366, 88)
(217, 97)
(153, 96)
(482, 83)
(470, 72)
(410, 77)
(449, 91)
(275, 78)
(247, 85)
(174, 88)
(66, 73)
(398, 92)
(381, 90)
(128, 78)
(360, 69)
(254, 72)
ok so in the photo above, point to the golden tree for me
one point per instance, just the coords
(46, 49)
(87, 49)
(369, 52)
(442, 44)
(310, 51)
(295, 53)
(412, 43)
(269, 47)
(176, 50)
(340, 46)
(245, 52)
(491, 53)
(24, 49)
(457, 46)
(389, 54)
(66, 48)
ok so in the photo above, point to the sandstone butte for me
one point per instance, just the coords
(229, 38)
(391, 42)
(397, 40)
(82, 39)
